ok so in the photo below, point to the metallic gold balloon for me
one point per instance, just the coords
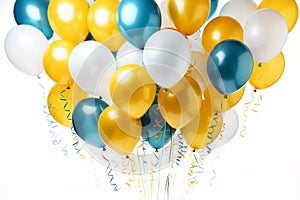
(118, 130)
(68, 18)
(287, 8)
(132, 90)
(188, 15)
(204, 128)
(219, 102)
(181, 103)
(55, 62)
(102, 23)
(266, 74)
(219, 29)
(62, 100)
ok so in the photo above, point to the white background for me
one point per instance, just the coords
(263, 165)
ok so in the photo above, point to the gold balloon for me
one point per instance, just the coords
(267, 74)
(188, 15)
(204, 128)
(181, 103)
(103, 25)
(287, 8)
(132, 90)
(55, 62)
(68, 18)
(118, 130)
(219, 102)
(61, 102)
(219, 29)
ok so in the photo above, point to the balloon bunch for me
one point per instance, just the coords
(134, 70)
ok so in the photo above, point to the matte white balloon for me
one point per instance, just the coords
(129, 54)
(265, 33)
(167, 57)
(24, 47)
(92, 65)
(239, 10)
(165, 20)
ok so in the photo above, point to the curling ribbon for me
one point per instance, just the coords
(182, 149)
(77, 143)
(109, 171)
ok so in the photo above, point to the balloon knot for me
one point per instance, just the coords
(165, 90)
(127, 156)
(103, 149)
(100, 97)
(68, 87)
(156, 150)
(194, 150)
(259, 64)
(225, 96)
(255, 90)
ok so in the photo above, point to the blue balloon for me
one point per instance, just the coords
(34, 13)
(213, 7)
(155, 130)
(138, 20)
(229, 66)
(85, 120)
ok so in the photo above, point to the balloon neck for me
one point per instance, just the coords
(259, 64)
(104, 149)
(225, 96)
(100, 97)
(194, 150)
(255, 90)
(156, 150)
(127, 156)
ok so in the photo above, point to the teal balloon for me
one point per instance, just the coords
(229, 66)
(138, 20)
(34, 13)
(85, 120)
(213, 7)
(155, 130)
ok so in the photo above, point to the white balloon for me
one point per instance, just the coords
(231, 121)
(92, 65)
(24, 47)
(129, 54)
(167, 57)
(239, 10)
(165, 20)
(195, 42)
(265, 33)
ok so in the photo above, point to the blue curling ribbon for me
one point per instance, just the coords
(109, 171)
(182, 149)
(76, 144)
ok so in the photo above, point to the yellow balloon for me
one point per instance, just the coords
(132, 90)
(118, 130)
(287, 8)
(204, 128)
(219, 102)
(188, 15)
(68, 18)
(55, 62)
(103, 24)
(61, 101)
(219, 29)
(181, 103)
(267, 74)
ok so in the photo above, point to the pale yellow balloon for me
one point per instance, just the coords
(219, 29)
(287, 8)
(188, 15)
(68, 19)
(132, 90)
(267, 74)
(118, 130)
(102, 23)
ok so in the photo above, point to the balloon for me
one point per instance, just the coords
(102, 23)
(118, 130)
(167, 57)
(155, 129)
(188, 16)
(267, 74)
(165, 20)
(202, 129)
(195, 42)
(229, 66)
(287, 8)
(60, 103)
(231, 125)
(85, 120)
(220, 29)
(55, 61)
(239, 10)
(265, 33)
(92, 65)
(138, 20)
(181, 103)
(34, 13)
(129, 54)
(68, 19)
(132, 90)
(213, 7)
(221, 104)
(24, 47)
